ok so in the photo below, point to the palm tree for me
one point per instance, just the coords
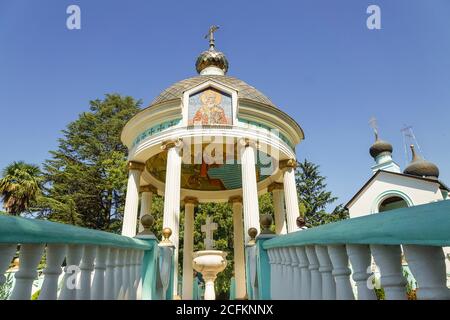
(19, 187)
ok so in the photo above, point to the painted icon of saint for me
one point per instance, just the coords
(210, 112)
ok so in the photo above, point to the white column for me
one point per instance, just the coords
(69, 285)
(305, 274)
(86, 267)
(325, 269)
(98, 283)
(132, 199)
(427, 263)
(360, 259)
(316, 278)
(388, 259)
(341, 272)
(290, 193)
(238, 243)
(146, 202)
(296, 277)
(278, 207)
(171, 217)
(29, 257)
(188, 247)
(118, 274)
(54, 258)
(110, 291)
(249, 189)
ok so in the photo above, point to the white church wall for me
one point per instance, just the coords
(413, 191)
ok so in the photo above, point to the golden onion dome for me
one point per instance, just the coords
(379, 147)
(211, 58)
(420, 167)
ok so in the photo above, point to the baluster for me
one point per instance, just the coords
(325, 268)
(131, 294)
(54, 259)
(110, 291)
(341, 272)
(277, 292)
(288, 287)
(316, 278)
(7, 252)
(284, 275)
(388, 259)
(71, 270)
(98, 284)
(296, 275)
(120, 261)
(272, 272)
(360, 259)
(138, 283)
(29, 257)
(427, 264)
(125, 275)
(86, 267)
(305, 276)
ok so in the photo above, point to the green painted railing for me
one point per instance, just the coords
(24, 230)
(427, 224)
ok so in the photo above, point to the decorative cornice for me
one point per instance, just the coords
(132, 165)
(191, 200)
(235, 199)
(275, 186)
(171, 144)
(148, 188)
(289, 163)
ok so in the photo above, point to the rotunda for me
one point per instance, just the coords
(212, 138)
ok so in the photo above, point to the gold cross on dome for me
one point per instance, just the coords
(210, 34)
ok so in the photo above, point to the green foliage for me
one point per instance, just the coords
(5, 288)
(380, 294)
(20, 186)
(410, 291)
(313, 196)
(86, 176)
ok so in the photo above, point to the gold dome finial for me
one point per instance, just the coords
(252, 232)
(147, 222)
(166, 233)
(211, 58)
(210, 35)
(266, 222)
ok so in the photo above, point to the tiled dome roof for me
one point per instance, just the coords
(245, 91)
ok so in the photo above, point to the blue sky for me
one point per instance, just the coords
(315, 59)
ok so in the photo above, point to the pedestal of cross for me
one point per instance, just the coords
(208, 228)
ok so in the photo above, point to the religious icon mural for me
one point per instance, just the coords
(210, 107)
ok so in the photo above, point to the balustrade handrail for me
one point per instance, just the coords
(28, 231)
(427, 224)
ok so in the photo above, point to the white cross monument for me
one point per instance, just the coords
(208, 228)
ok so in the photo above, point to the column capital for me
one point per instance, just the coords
(289, 163)
(275, 186)
(248, 142)
(133, 165)
(148, 188)
(168, 144)
(190, 200)
(235, 199)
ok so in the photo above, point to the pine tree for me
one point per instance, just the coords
(86, 176)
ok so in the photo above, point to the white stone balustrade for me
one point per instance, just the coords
(90, 272)
(322, 272)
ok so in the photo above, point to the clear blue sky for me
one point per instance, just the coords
(315, 59)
